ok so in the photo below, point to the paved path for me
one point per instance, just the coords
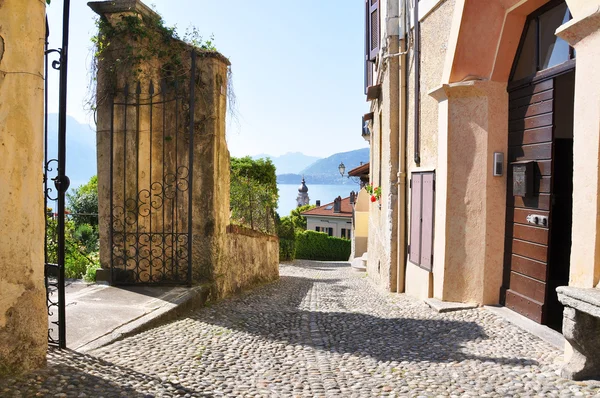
(321, 331)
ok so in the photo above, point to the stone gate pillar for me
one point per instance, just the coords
(23, 312)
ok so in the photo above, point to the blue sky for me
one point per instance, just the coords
(297, 68)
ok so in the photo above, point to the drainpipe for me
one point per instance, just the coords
(417, 58)
(401, 184)
(392, 58)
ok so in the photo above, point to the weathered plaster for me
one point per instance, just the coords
(583, 33)
(435, 31)
(382, 233)
(474, 201)
(251, 258)
(23, 314)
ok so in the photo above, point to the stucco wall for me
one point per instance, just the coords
(329, 222)
(251, 258)
(23, 313)
(435, 31)
(382, 232)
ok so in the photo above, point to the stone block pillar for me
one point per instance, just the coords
(470, 202)
(23, 312)
(167, 63)
(581, 328)
(583, 33)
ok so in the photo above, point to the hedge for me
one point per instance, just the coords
(312, 245)
(287, 249)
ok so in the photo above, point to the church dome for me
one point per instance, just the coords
(303, 188)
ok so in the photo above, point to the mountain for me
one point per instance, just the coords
(291, 162)
(81, 149)
(329, 166)
(325, 171)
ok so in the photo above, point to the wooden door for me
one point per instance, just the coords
(537, 255)
(530, 138)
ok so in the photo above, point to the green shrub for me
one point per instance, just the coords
(287, 249)
(311, 245)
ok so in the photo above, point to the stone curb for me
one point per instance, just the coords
(190, 299)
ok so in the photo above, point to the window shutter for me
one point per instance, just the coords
(374, 28)
(428, 187)
(422, 205)
(415, 218)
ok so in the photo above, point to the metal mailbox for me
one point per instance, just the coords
(522, 178)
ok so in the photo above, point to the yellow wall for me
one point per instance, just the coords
(435, 30)
(23, 313)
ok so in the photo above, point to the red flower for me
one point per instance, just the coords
(373, 198)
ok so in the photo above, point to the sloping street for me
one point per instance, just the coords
(322, 330)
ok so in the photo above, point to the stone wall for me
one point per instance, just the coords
(150, 151)
(23, 313)
(229, 258)
(251, 258)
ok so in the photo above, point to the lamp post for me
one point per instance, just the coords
(342, 169)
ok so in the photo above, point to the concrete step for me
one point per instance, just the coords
(360, 264)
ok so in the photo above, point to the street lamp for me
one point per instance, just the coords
(342, 169)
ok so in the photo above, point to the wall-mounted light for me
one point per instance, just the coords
(498, 164)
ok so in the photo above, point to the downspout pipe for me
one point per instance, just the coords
(417, 58)
(392, 59)
(403, 125)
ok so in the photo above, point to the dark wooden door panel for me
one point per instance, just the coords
(530, 152)
(541, 202)
(529, 267)
(520, 215)
(530, 110)
(528, 287)
(525, 306)
(530, 122)
(539, 97)
(531, 234)
(530, 250)
(531, 90)
(533, 136)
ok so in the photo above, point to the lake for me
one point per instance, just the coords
(324, 193)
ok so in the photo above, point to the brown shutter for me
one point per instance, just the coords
(415, 218)
(428, 187)
(374, 28)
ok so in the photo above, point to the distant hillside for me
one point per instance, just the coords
(291, 162)
(329, 166)
(325, 171)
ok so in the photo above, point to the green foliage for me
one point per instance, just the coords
(78, 259)
(83, 204)
(260, 170)
(146, 37)
(311, 245)
(287, 249)
(297, 219)
(254, 193)
(287, 239)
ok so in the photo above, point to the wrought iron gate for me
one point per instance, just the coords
(54, 171)
(151, 178)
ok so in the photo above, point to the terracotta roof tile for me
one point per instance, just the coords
(327, 210)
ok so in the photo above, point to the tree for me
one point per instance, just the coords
(254, 194)
(83, 203)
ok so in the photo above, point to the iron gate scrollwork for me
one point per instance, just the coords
(151, 177)
(54, 170)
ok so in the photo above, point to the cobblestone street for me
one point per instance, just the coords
(322, 330)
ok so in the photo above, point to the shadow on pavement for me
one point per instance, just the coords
(380, 337)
